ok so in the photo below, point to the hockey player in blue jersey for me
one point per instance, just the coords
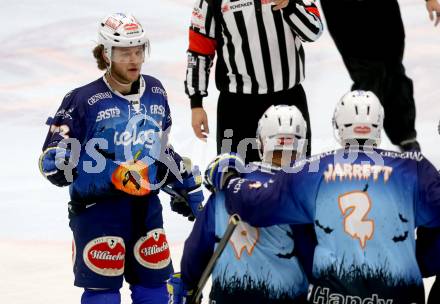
(108, 141)
(365, 203)
(259, 265)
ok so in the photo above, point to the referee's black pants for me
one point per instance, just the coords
(241, 112)
(370, 37)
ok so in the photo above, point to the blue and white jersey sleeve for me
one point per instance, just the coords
(70, 121)
(274, 202)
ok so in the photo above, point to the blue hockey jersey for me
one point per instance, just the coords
(111, 129)
(259, 265)
(365, 206)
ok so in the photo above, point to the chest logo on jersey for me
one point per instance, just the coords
(135, 137)
(152, 251)
(108, 113)
(105, 255)
(97, 97)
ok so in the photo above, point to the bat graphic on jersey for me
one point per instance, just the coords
(327, 230)
(400, 238)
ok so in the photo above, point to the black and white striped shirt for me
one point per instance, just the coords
(259, 50)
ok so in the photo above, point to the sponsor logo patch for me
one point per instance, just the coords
(152, 251)
(159, 90)
(97, 97)
(108, 113)
(256, 185)
(65, 114)
(113, 23)
(105, 256)
(157, 110)
(131, 27)
(239, 6)
(197, 18)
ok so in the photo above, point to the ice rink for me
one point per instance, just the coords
(46, 51)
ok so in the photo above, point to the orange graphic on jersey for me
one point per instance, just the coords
(355, 206)
(132, 177)
(245, 237)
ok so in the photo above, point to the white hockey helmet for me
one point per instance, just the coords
(121, 30)
(358, 115)
(281, 128)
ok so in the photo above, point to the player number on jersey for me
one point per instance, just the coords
(355, 207)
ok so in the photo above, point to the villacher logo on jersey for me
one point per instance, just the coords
(152, 251)
(105, 255)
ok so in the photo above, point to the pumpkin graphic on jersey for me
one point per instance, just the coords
(132, 177)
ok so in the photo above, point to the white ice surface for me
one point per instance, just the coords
(46, 51)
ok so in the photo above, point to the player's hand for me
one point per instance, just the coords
(199, 121)
(221, 169)
(433, 7)
(53, 164)
(279, 4)
(187, 196)
(176, 290)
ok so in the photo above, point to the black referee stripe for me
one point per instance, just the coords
(208, 22)
(231, 53)
(306, 22)
(297, 60)
(297, 30)
(245, 47)
(278, 19)
(264, 44)
(301, 58)
(195, 75)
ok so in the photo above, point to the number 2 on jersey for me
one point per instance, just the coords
(355, 207)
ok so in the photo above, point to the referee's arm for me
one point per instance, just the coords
(304, 18)
(201, 52)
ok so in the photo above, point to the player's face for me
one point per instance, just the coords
(127, 62)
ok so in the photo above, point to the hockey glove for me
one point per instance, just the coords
(176, 290)
(187, 196)
(221, 169)
(53, 165)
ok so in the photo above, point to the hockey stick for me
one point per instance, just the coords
(233, 221)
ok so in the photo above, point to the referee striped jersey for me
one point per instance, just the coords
(259, 50)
